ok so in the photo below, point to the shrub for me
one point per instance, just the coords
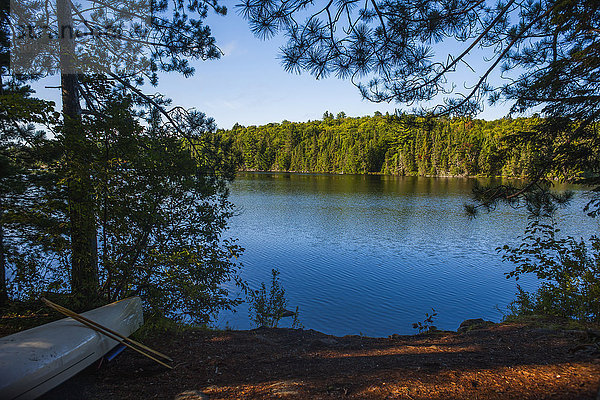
(268, 307)
(427, 324)
(568, 268)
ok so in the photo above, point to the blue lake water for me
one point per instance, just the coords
(372, 254)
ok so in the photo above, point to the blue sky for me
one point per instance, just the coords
(249, 86)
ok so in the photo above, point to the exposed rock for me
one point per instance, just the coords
(285, 388)
(287, 313)
(264, 339)
(544, 331)
(323, 342)
(470, 324)
(191, 395)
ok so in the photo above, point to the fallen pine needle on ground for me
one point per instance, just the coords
(500, 361)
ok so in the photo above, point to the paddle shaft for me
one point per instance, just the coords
(71, 313)
(100, 329)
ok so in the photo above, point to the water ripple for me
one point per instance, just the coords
(373, 255)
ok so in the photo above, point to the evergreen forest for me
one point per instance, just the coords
(389, 144)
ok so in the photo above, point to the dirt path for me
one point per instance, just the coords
(505, 361)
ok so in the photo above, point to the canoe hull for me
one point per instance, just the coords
(36, 360)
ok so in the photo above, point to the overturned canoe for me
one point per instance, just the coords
(39, 359)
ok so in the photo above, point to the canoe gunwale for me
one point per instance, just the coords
(39, 359)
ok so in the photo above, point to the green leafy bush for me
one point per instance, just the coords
(427, 324)
(568, 268)
(161, 211)
(268, 307)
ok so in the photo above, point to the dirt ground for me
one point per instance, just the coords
(502, 361)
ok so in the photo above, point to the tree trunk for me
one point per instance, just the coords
(3, 289)
(84, 246)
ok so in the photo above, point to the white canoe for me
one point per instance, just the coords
(39, 359)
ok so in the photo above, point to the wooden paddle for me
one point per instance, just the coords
(125, 338)
(125, 341)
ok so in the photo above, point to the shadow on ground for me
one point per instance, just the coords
(503, 361)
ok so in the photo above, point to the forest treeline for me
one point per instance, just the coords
(387, 144)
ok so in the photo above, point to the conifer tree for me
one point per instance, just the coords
(126, 44)
(22, 147)
(544, 50)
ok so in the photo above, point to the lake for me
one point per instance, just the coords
(372, 254)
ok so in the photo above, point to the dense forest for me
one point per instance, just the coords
(387, 144)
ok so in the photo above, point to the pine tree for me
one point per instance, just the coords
(158, 36)
(546, 50)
